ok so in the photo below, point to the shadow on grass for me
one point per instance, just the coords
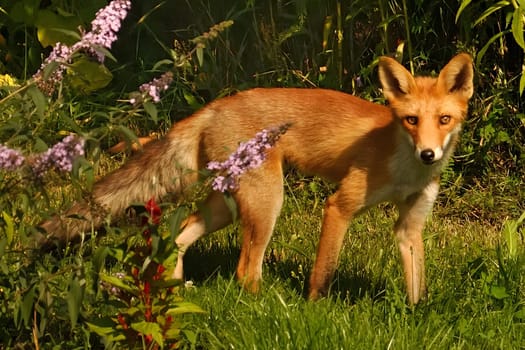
(203, 263)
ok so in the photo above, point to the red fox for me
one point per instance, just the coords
(374, 153)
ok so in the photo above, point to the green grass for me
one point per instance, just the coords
(475, 280)
(476, 299)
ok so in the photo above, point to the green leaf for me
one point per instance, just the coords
(53, 28)
(88, 76)
(191, 100)
(74, 300)
(462, 7)
(105, 327)
(510, 233)
(9, 227)
(3, 265)
(151, 109)
(484, 49)
(117, 282)
(517, 27)
(185, 307)
(200, 55)
(175, 221)
(499, 5)
(25, 11)
(499, 292)
(149, 328)
(26, 309)
(166, 283)
(38, 99)
(127, 133)
(99, 258)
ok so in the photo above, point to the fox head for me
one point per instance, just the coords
(431, 110)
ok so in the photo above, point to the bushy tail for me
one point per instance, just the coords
(167, 165)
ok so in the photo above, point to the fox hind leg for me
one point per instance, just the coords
(217, 216)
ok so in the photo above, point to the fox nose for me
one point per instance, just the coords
(427, 156)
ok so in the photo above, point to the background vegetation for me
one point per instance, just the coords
(474, 239)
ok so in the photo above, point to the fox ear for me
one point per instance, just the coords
(457, 76)
(395, 79)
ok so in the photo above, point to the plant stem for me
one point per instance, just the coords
(407, 33)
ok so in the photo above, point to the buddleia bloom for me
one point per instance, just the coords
(249, 155)
(103, 34)
(60, 156)
(153, 89)
(104, 28)
(10, 159)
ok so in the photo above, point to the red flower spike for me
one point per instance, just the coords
(122, 321)
(147, 288)
(154, 211)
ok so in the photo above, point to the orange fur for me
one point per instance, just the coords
(375, 153)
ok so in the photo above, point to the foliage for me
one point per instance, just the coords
(148, 302)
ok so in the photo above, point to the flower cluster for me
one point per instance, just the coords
(61, 56)
(104, 28)
(60, 156)
(10, 159)
(103, 33)
(249, 155)
(154, 88)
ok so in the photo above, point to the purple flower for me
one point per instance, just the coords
(10, 159)
(60, 156)
(61, 54)
(104, 28)
(155, 87)
(103, 33)
(249, 155)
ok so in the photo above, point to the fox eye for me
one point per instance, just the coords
(444, 119)
(412, 120)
